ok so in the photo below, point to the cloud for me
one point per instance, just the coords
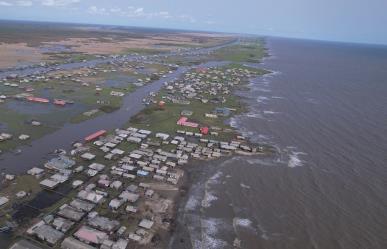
(187, 18)
(130, 12)
(94, 10)
(3, 3)
(58, 3)
(25, 3)
(210, 22)
(21, 3)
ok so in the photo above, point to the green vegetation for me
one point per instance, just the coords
(143, 51)
(73, 56)
(246, 51)
(26, 183)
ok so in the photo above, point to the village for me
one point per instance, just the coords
(43, 100)
(125, 183)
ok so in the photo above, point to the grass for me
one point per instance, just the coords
(143, 51)
(246, 51)
(26, 183)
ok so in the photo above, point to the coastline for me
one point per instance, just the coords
(198, 172)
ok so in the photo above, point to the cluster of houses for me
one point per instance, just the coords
(210, 85)
(118, 180)
(117, 199)
(79, 76)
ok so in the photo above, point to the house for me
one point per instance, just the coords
(71, 243)
(24, 137)
(61, 178)
(131, 209)
(128, 196)
(95, 135)
(183, 121)
(48, 234)
(210, 115)
(38, 100)
(60, 163)
(62, 225)
(117, 152)
(186, 113)
(204, 130)
(3, 200)
(145, 223)
(103, 183)
(88, 156)
(116, 184)
(97, 166)
(69, 212)
(50, 184)
(59, 102)
(91, 172)
(90, 196)
(103, 223)
(116, 203)
(77, 183)
(222, 111)
(162, 136)
(35, 171)
(142, 173)
(25, 244)
(90, 235)
(134, 139)
(149, 193)
(82, 205)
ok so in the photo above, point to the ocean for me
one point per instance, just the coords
(324, 108)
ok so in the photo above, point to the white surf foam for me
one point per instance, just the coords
(270, 112)
(245, 186)
(262, 99)
(241, 222)
(208, 237)
(294, 160)
(209, 195)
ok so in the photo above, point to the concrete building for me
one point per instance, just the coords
(90, 236)
(48, 234)
(71, 243)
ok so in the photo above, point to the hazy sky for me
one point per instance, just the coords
(343, 20)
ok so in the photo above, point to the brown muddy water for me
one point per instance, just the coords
(325, 110)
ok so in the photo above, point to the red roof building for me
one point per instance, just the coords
(204, 130)
(37, 100)
(183, 121)
(90, 235)
(201, 70)
(95, 135)
(59, 102)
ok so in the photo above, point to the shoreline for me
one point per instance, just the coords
(200, 171)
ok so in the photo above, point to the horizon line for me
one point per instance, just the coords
(203, 31)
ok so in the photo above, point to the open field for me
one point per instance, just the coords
(248, 50)
(26, 43)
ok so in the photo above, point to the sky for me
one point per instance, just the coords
(362, 21)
